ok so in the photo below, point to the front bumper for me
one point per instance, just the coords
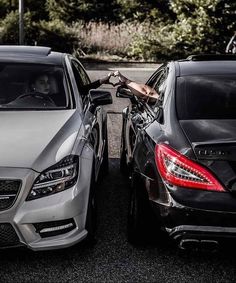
(62, 206)
(20, 221)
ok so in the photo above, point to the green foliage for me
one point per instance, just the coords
(7, 6)
(9, 31)
(153, 43)
(201, 26)
(57, 35)
(143, 10)
(75, 10)
(141, 29)
(36, 8)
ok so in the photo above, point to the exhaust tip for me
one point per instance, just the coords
(200, 245)
(209, 245)
(189, 244)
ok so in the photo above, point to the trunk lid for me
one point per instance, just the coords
(214, 144)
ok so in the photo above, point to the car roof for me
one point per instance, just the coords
(207, 65)
(30, 54)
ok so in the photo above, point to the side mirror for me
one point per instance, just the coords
(124, 92)
(100, 97)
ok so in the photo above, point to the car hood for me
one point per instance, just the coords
(33, 139)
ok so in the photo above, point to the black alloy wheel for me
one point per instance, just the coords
(91, 219)
(104, 168)
(139, 217)
(105, 161)
(123, 164)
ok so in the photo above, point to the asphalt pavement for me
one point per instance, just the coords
(112, 258)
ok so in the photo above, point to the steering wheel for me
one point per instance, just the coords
(37, 95)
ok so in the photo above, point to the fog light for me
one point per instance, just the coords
(62, 227)
(54, 228)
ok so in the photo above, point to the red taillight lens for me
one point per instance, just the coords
(178, 170)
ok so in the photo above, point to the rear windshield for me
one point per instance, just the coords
(206, 97)
(32, 86)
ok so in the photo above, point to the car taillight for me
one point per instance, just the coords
(178, 170)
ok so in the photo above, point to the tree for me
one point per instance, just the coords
(203, 25)
(143, 10)
(9, 33)
(36, 8)
(199, 26)
(75, 10)
(7, 6)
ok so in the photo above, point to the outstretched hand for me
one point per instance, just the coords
(122, 79)
(141, 90)
(106, 79)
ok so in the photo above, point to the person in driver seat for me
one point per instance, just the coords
(37, 95)
(39, 92)
(40, 84)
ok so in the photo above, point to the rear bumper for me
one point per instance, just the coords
(207, 238)
(186, 223)
(201, 232)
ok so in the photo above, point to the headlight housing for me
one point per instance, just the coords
(59, 177)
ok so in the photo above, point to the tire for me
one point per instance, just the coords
(104, 168)
(139, 225)
(91, 219)
(105, 161)
(123, 164)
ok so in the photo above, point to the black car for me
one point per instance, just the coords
(180, 153)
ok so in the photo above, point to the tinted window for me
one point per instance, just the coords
(81, 76)
(160, 84)
(81, 80)
(206, 97)
(32, 86)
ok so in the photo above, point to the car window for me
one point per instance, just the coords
(32, 86)
(155, 77)
(81, 79)
(160, 84)
(206, 97)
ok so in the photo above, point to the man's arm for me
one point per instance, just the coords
(97, 83)
(138, 89)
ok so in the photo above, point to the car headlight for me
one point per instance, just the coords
(57, 178)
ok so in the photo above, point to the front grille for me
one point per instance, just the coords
(9, 190)
(8, 236)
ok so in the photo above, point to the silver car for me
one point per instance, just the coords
(53, 147)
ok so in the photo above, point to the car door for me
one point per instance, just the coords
(93, 119)
(149, 125)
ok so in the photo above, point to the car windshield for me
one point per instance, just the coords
(32, 86)
(206, 97)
